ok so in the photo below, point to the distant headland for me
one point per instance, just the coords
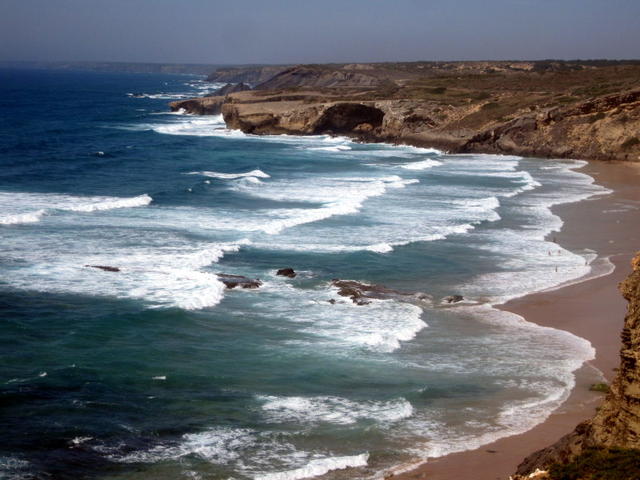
(587, 109)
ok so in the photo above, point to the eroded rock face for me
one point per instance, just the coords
(602, 129)
(617, 422)
(233, 281)
(318, 76)
(250, 75)
(349, 117)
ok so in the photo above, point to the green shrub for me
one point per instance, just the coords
(599, 387)
(600, 464)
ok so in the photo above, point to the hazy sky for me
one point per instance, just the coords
(296, 31)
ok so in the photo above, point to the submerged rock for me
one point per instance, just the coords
(453, 299)
(233, 281)
(361, 293)
(106, 268)
(287, 272)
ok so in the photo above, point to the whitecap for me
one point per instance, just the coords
(232, 176)
(336, 410)
(422, 165)
(317, 467)
(26, 207)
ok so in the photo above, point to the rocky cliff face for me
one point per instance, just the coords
(251, 74)
(604, 128)
(317, 77)
(617, 422)
(543, 109)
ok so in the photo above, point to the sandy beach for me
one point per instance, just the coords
(592, 309)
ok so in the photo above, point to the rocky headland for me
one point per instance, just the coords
(588, 110)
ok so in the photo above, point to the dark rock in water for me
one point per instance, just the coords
(361, 293)
(453, 299)
(199, 106)
(332, 301)
(233, 281)
(230, 88)
(106, 268)
(287, 272)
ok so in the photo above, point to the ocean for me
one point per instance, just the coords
(158, 371)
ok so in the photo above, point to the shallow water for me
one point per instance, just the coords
(157, 370)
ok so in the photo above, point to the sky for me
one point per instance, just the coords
(305, 31)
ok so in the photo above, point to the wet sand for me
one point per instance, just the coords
(592, 309)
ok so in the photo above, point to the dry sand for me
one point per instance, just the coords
(593, 309)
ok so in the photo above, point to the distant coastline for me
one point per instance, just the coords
(116, 67)
(580, 109)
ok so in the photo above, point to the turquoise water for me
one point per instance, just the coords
(157, 371)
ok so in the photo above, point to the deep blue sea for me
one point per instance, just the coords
(157, 371)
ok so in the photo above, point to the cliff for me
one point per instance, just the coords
(316, 76)
(616, 425)
(545, 109)
(249, 74)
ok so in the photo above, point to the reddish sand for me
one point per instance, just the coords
(592, 309)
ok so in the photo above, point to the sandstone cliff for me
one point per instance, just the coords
(617, 422)
(587, 110)
(606, 129)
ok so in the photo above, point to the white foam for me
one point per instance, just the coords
(204, 126)
(381, 326)
(80, 440)
(336, 196)
(543, 371)
(95, 204)
(161, 275)
(336, 410)
(232, 176)
(22, 218)
(251, 453)
(318, 467)
(422, 165)
(15, 469)
(218, 445)
(532, 262)
(336, 148)
(25, 207)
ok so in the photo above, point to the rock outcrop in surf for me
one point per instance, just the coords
(233, 281)
(287, 272)
(363, 293)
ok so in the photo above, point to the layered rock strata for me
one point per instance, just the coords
(606, 128)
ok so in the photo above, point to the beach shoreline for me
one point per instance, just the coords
(591, 308)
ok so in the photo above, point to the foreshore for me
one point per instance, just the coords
(592, 309)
